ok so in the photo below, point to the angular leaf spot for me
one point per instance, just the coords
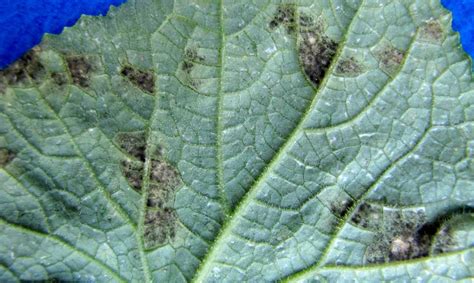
(80, 69)
(28, 67)
(142, 79)
(6, 156)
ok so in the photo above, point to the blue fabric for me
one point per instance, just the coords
(23, 22)
(463, 21)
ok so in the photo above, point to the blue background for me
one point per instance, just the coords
(23, 22)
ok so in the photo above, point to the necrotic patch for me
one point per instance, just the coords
(133, 172)
(316, 52)
(190, 58)
(432, 31)
(80, 70)
(133, 143)
(144, 80)
(160, 219)
(162, 183)
(399, 235)
(59, 78)
(390, 59)
(27, 67)
(285, 15)
(348, 66)
(6, 157)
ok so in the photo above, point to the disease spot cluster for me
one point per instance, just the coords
(144, 80)
(162, 182)
(28, 67)
(80, 69)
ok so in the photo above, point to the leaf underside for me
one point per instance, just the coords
(236, 141)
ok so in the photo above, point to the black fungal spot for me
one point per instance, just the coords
(190, 57)
(133, 171)
(142, 79)
(286, 16)
(80, 70)
(133, 143)
(25, 68)
(316, 52)
(390, 59)
(366, 215)
(442, 228)
(59, 78)
(6, 157)
(187, 66)
(348, 66)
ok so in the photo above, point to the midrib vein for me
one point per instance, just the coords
(231, 219)
(219, 127)
(147, 168)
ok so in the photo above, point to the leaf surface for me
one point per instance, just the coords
(173, 141)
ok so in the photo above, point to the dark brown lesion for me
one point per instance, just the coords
(316, 52)
(27, 68)
(159, 226)
(160, 222)
(6, 156)
(398, 235)
(285, 15)
(142, 79)
(133, 143)
(59, 78)
(80, 69)
(133, 172)
(342, 207)
(190, 58)
(162, 182)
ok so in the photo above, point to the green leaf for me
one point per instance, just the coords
(231, 141)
